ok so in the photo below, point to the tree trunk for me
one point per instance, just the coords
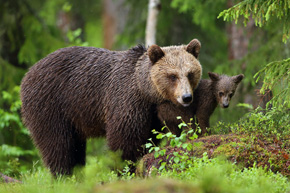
(114, 16)
(238, 47)
(153, 10)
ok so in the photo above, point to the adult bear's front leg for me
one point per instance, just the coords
(129, 132)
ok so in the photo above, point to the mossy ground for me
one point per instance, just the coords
(245, 150)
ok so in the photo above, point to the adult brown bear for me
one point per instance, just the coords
(80, 92)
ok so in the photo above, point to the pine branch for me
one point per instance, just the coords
(262, 11)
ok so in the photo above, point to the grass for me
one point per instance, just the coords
(105, 172)
(200, 175)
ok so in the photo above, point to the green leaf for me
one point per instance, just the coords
(184, 146)
(162, 152)
(169, 135)
(172, 143)
(164, 127)
(160, 136)
(156, 154)
(176, 160)
(182, 125)
(156, 148)
(189, 147)
(162, 166)
(148, 145)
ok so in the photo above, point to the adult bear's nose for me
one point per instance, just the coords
(225, 105)
(187, 98)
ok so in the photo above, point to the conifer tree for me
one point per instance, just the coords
(275, 75)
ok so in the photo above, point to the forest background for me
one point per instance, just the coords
(31, 29)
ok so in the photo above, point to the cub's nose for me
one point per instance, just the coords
(187, 98)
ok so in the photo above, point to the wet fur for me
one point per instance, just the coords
(80, 92)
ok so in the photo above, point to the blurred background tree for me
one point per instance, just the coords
(31, 29)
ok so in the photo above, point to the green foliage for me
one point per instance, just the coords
(276, 77)
(273, 122)
(218, 175)
(205, 19)
(29, 30)
(267, 122)
(174, 141)
(201, 175)
(15, 145)
(262, 11)
(204, 174)
(262, 136)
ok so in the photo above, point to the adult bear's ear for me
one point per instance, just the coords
(193, 47)
(238, 78)
(155, 53)
(213, 76)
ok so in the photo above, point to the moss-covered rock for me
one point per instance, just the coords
(245, 150)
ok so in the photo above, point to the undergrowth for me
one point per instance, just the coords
(202, 175)
(220, 175)
(105, 172)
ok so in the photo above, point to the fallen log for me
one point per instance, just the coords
(7, 179)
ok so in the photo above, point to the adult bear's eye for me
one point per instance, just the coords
(190, 76)
(221, 94)
(172, 77)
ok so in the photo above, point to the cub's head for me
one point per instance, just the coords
(225, 87)
(176, 71)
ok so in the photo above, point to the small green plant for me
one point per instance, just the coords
(174, 141)
(126, 173)
(267, 122)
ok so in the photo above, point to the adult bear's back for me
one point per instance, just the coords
(70, 84)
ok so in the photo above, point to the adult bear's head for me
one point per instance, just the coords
(176, 71)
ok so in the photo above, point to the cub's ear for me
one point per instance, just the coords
(213, 76)
(155, 53)
(238, 78)
(193, 47)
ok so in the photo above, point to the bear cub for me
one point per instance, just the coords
(77, 93)
(219, 89)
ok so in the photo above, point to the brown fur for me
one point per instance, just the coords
(81, 92)
(219, 89)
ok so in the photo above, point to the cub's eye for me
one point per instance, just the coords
(221, 94)
(172, 77)
(190, 76)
